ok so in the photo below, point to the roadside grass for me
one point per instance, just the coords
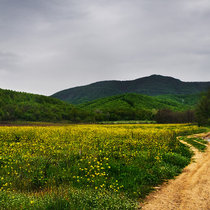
(195, 143)
(203, 141)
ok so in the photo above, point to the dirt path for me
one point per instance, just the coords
(190, 190)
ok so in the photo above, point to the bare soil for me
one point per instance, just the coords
(190, 190)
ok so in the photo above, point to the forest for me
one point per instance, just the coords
(18, 106)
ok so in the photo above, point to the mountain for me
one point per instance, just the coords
(31, 107)
(153, 85)
(141, 102)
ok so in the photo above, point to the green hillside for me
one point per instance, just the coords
(142, 102)
(30, 107)
(190, 100)
(17, 106)
(153, 85)
(133, 106)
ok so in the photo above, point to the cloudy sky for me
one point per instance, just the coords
(50, 45)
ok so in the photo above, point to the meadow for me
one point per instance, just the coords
(88, 166)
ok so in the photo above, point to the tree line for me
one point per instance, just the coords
(200, 115)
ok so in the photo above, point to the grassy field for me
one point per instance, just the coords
(88, 166)
(127, 122)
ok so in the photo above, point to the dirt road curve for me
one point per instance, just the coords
(190, 190)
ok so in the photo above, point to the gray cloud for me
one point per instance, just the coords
(50, 45)
(8, 61)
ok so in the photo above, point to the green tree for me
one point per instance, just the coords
(203, 110)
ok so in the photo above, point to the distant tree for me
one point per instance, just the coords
(203, 110)
(190, 116)
(164, 116)
(169, 116)
(1, 114)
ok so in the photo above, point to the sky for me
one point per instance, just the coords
(50, 45)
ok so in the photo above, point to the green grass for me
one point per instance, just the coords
(200, 140)
(128, 122)
(70, 198)
(194, 143)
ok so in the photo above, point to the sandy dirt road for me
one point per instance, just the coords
(190, 190)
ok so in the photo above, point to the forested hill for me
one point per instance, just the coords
(30, 107)
(152, 86)
(142, 102)
(17, 106)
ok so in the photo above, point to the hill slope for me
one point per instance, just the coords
(140, 102)
(30, 107)
(152, 85)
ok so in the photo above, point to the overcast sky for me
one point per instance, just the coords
(50, 45)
